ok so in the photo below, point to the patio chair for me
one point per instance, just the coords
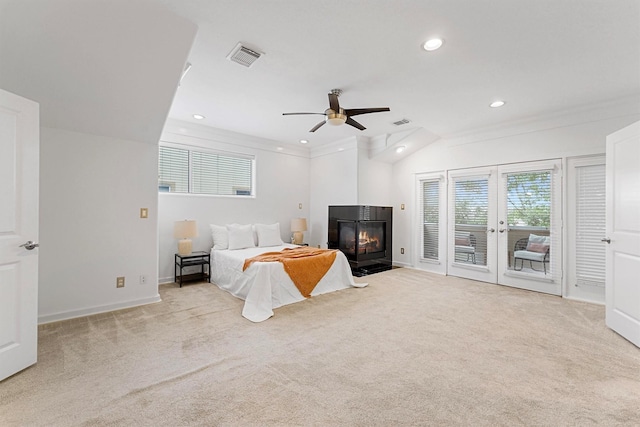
(465, 243)
(532, 248)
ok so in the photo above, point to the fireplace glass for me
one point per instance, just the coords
(360, 240)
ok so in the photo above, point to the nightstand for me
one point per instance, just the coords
(200, 258)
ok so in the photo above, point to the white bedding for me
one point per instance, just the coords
(265, 285)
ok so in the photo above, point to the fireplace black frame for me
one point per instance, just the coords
(362, 215)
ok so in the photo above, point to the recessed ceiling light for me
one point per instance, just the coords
(198, 116)
(280, 148)
(400, 149)
(496, 104)
(304, 141)
(432, 44)
(340, 149)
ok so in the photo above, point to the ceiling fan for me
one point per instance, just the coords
(336, 116)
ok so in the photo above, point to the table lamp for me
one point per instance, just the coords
(185, 230)
(298, 225)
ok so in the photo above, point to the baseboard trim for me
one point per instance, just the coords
(401, 264)
(72, 314)
(165, 280)
(587, 300)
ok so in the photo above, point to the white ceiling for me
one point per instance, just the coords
(540, 56)
(100, 65)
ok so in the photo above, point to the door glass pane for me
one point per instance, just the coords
(430, 219)
(529, 221)
(471, 218)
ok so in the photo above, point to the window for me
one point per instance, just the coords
(197, 171)
(431, 219)
(590, 226)
(529, 199)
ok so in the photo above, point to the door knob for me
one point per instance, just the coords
(29, 245)
(606, 240)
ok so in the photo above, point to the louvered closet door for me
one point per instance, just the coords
(586, 227)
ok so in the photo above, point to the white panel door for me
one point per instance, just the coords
(19, 171)
(622, 286)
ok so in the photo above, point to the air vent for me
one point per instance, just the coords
(243, 55)
(402, 122)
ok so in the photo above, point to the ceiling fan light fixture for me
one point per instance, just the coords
(432, 44)
(335, 119)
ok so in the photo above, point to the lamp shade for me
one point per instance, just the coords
(185, 229)
(299, 224)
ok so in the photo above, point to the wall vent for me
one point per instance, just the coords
(402, 122)
(243, 55)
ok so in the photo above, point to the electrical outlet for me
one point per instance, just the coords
(143, 279)
(120, 282)
(402, 251)
(299, 205)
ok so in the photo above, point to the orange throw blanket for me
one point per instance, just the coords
(304, 265)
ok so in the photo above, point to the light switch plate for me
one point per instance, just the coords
(144, 213)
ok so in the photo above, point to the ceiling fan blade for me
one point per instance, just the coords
(355, 124)
(297, 114)
(357, 111)
(333, 102)
(318, 126)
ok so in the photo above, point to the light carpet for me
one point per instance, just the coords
(412, 348)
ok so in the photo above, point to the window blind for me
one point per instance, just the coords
(173, 170)
(431, 219)
(202, 172)
(529, 199)
(471, 196)
(590, 225)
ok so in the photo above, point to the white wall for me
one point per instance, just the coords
(334, 181)
(559, 136)
(91, 192)
(282, 184)
(374, 179)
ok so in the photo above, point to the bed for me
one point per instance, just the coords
(265, 286)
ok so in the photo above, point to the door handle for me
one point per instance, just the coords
(491, 230)
(502, 230)
(29, 245)
(606, 240)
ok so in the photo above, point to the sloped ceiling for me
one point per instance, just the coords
(100, 67)
(539, 56)
(111, 66)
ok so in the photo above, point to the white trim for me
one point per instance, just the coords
(72, 314)
(427, 264)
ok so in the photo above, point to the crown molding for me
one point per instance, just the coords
(615, 108)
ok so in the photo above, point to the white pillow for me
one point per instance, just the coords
(220, 236)
(268, 235)
(240, 236)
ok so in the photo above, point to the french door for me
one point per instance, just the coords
(505, 225)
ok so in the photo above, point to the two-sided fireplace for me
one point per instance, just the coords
(363, 234)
